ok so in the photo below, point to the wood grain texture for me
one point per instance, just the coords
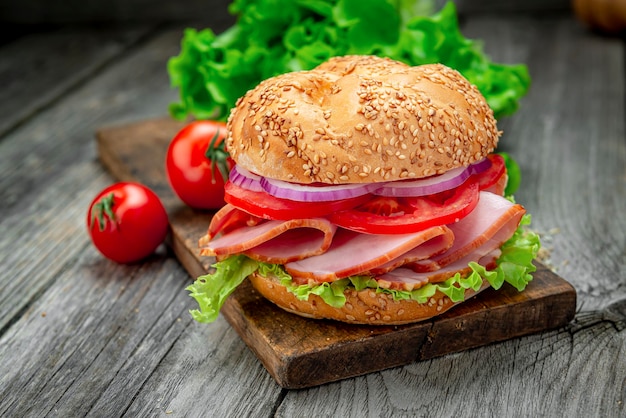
(81, 336)
(569, 138)
(573, 119)
(213, 11)
(473, 7)
(55, 142)
(579, 370)
(300, 352)
(48, 70)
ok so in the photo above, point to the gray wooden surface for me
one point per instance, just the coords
(77, 11)
(80, 336)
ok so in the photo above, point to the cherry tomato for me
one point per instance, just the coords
(197, 164)
(266, 206)
(402, 215)
(127, 222)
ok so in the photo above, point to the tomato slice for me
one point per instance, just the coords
(402, 215)
(493, 174)
(368, 214)
(266, 206)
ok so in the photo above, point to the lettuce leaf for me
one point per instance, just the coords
(271, 37)
(514, 266)
(212, 290)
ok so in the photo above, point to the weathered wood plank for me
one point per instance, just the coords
(38, 69)
(86, 11)
(103, 331)
(577, 371)
(56, 139)
(85, 336)
(568, 137)
(41, 11)
(61, 136)
(497, 7)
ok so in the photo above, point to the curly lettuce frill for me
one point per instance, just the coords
(272, 37)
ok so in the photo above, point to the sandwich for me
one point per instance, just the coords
(365, 191)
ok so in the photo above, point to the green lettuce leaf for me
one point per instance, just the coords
(210, 291)
(271, 37)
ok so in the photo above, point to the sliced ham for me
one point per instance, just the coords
(427, 250)
(494, 219)
(406, 279)
(353, 253)
(227, 219)
(276, 242)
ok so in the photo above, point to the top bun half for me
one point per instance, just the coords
(361, 119)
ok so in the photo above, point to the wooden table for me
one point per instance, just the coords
(82, 336)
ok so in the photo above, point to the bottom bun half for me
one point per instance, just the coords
(361, 307)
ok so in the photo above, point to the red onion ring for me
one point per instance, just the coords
(434, 184)
(327, 193)
(309, 193)
(245, 179)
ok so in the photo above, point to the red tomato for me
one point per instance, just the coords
(266, 206)
(127, 222)
(402, 215)
(197, 164)
(493, 174)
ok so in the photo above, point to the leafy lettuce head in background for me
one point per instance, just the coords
(272, 37)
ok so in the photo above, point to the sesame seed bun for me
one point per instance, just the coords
(361, 119)
(361, 307)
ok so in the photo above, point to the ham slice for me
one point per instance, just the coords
(227, 219)
(276, 242)
(406, 279)
(352, 253)
(429, 249)
(494, 219)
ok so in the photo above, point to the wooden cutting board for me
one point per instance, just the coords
(300, 352)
